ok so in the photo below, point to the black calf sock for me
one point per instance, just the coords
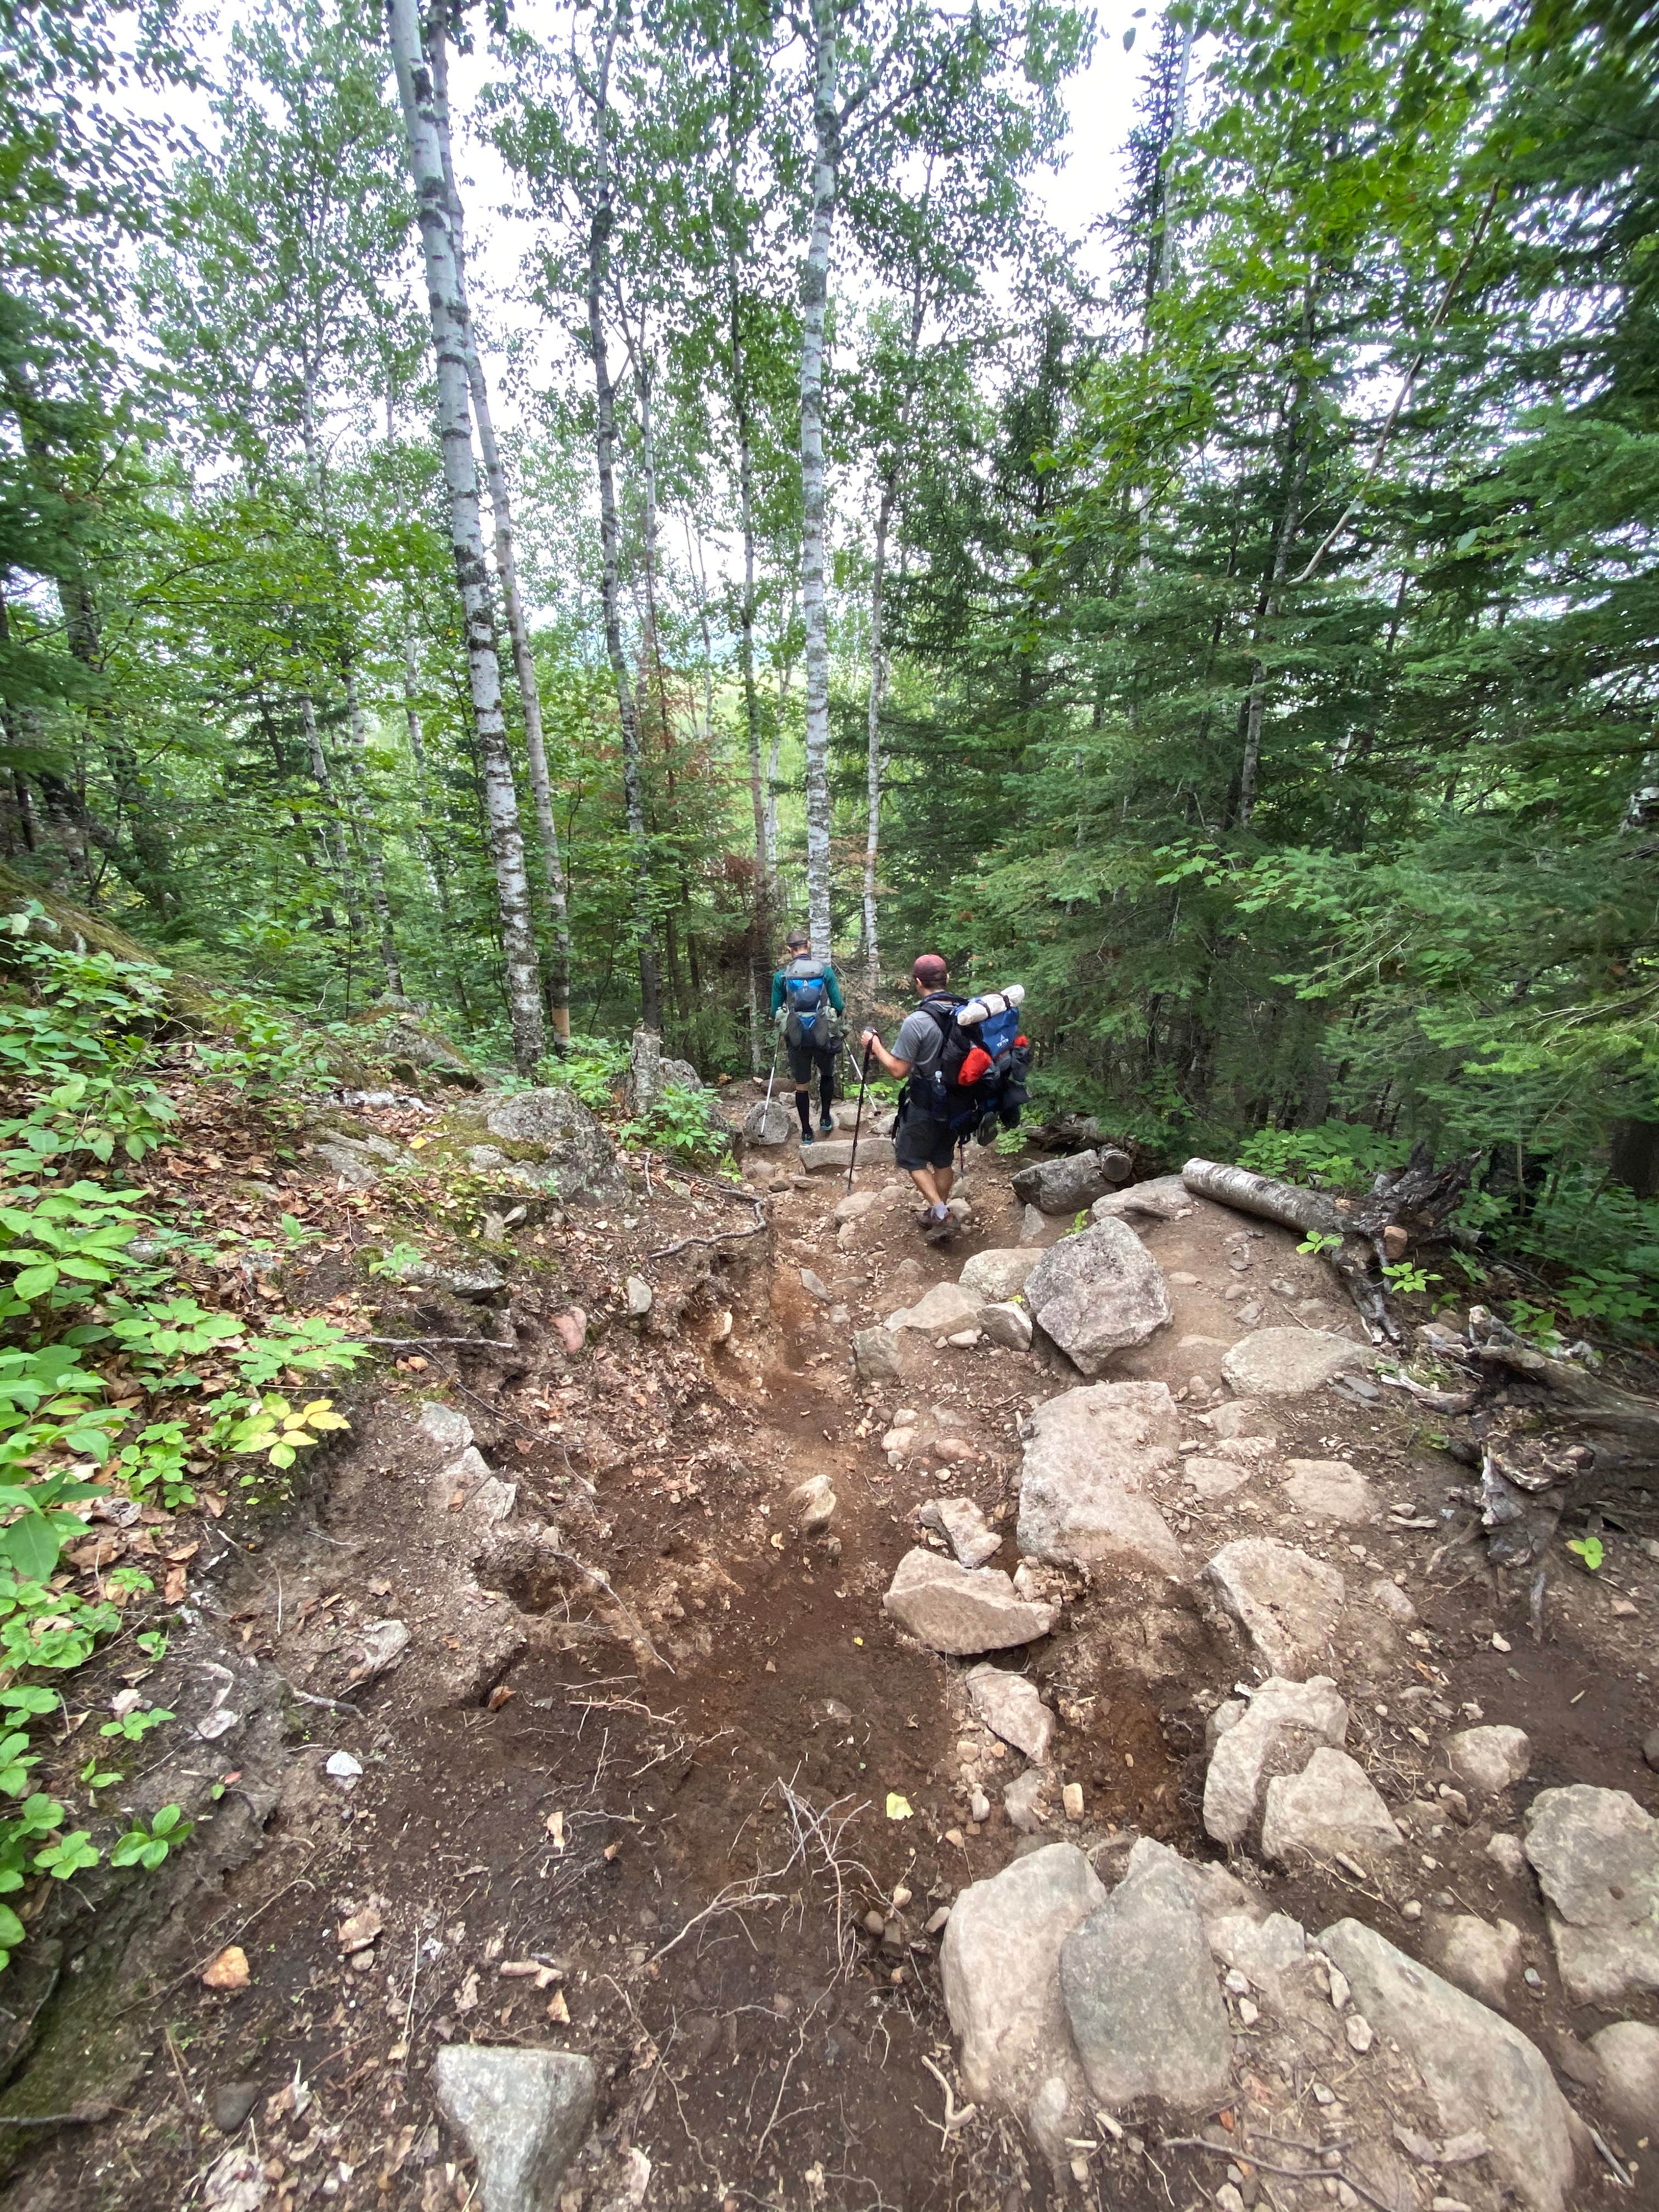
(804, 1108)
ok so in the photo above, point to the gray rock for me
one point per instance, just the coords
(1283, 1362)
(1650, 1747)
(1286, 1602)
(1281, 1726)
(942, 1311)
(1628, 2054)
(996, 1275)
(1033, 1228)
(767, 1125)
(445, 1427)
(1489, 1759)
(854, 1205)
(961, 1610)
(230, 2104)
(1067, 1185)
(1029, 1802)
(1388, 1598)
(1140, 1992)
(681, 1074)
(962, 1523)
(1009, 1326)
(876, 1355)
(1595, 1853)
(830, 1156)
(1098, 1293)
(1481, 1956)
(412, 1051)
(521, 2113)
(816, 1287)
(1212, 1477)
(1332, 1490)
(1480, 2073)
(566, 1135)
(1010, 1707)
(814, 1504)
(999, 1962)
(1089, 1456)
(381, 1646)
(1330, 1806)
(1505, 1851)
(473, 1284)
(352, 1164)
(1241, 1418)
(1162, 1198)
(639, 1297)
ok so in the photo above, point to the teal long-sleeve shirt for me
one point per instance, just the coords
(832, 984)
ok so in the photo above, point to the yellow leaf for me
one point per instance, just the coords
(898, 1808)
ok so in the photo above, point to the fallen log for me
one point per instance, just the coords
(1407, 1206)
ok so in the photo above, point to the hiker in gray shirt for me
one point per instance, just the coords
(922, 1145)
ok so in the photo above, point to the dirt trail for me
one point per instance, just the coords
(647, 1817)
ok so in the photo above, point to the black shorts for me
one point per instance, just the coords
(804, 1057)
(920, 1141)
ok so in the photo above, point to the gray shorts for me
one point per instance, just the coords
(920, 1141)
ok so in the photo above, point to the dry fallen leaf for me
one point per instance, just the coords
(173, 1588)
(360, 1929)
(499, 1696)
(466, 1997)
(228, 1971)
(557, 2010)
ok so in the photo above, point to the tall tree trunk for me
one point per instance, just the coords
(334, 833)
(601, 220)
(368, 835)
(872, 763)
(760, 947)
(506, 568)
(449, 344)
(814, 294)
(1295, 476)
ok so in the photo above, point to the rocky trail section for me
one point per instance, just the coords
(814, 1718)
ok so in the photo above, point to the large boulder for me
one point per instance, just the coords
(962, 1610)
(522, 2115)
(1067, 1185)
(1482, 2075)
(1010, 1707)
(1000, 1963)
(1481, 1956)
(1595, 1853)
(1628, 2054)
(943, 1310)
(1163, 1197)
(1098, 1292)
(1286, 1601)
(768, 1125)
(830, 1156)
(414, 1051)
(1140, 1992)
(1330, 1808)
(561, 1130)
(1283, 1723)
(993, 1276)
(1089, 1454)
(1283, 1362)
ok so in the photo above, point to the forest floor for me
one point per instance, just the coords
(629, 1788)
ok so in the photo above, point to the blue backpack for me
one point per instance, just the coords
(810, 1019)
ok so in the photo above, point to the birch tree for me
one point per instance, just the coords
(450, 346)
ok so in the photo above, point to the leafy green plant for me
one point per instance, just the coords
(1536, 1323)
(275, 1430)
(1589, 1550)
(1338, 1155)
(393, 1259)
(1320, 1240)
(682, 1123)
(67, 1243)
(134, 1726)
(148, 1846)
(591, 1068)
(1406, 1278)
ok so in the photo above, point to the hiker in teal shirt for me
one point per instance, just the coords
(806, 1002)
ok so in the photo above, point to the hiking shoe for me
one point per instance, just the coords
(827, 1122)
(941, 1232)
(986, 1132)
(806, 1136)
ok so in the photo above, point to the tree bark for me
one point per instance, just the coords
(449, 343)
(506, 568)
(760, 950)
(333, 833)
(600, 223)
(368, 835)
(437, 872)
(814, 294)
(872, 776)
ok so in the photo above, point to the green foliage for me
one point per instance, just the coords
(148, 1846)
(1320, 1240)
(1589, 1550)
(1338, 1155)
(594, 1067)
(684, 1123)
(1406, 1280)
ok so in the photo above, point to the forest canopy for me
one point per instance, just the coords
(1252, 653)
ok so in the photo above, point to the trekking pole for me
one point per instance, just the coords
(776, 1041)
(863, 1077)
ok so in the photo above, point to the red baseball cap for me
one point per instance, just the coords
(930, 971)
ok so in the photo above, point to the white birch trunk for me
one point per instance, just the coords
(873, 763)
(506, 568)
(814, 294)
(449, 345)
(601, 217)
(760, 961)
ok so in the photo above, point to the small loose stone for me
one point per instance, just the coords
(1360, 2033)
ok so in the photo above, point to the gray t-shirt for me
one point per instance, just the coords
(921, 1041)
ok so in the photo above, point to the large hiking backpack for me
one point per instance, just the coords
(809, 1015)
(979, 1078)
